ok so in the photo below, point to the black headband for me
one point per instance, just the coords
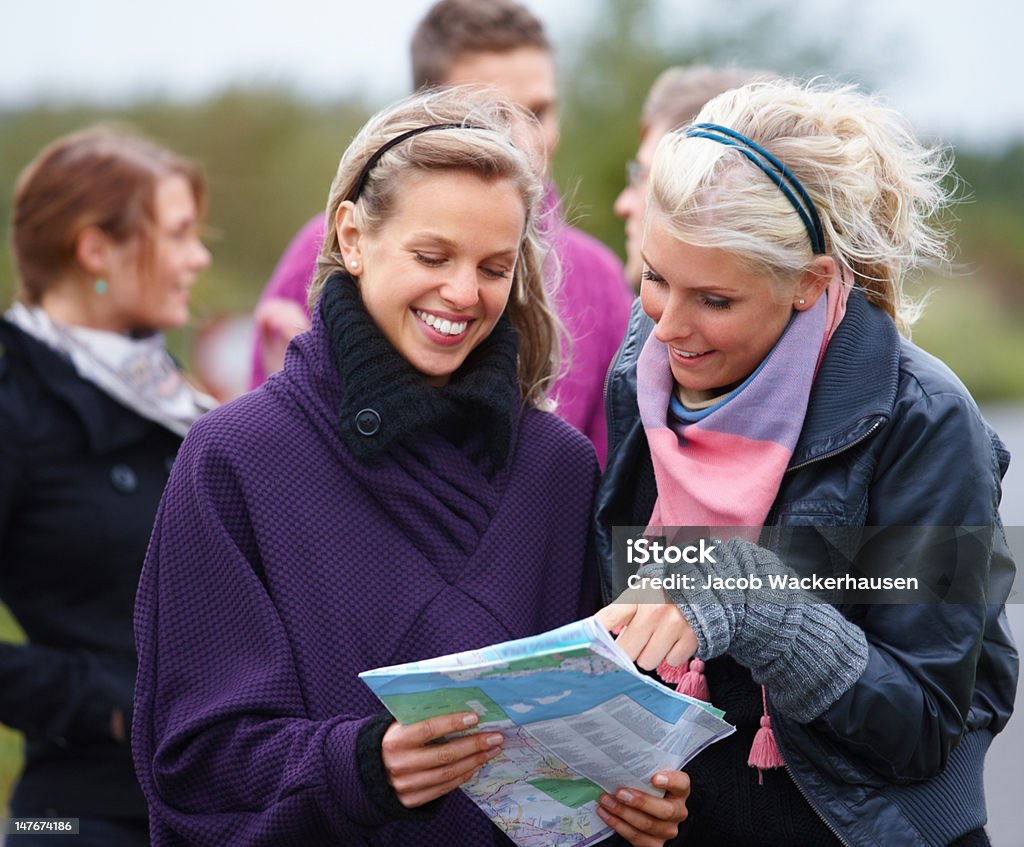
(776, 171)
(364, 174)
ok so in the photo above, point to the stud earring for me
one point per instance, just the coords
(100, 287)
(801, 301)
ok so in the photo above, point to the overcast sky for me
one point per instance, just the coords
(955, 69)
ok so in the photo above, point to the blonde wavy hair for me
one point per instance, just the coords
(484, 145)
(876, 188)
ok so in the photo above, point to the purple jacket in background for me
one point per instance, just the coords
(593, 302)
(280, 567)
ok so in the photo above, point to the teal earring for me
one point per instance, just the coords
(100, 287)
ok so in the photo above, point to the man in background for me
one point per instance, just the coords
(675, 98)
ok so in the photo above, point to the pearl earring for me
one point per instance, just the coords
(801, 301)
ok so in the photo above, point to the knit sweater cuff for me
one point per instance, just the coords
(374, 777)
(821, 655)
(804, 651)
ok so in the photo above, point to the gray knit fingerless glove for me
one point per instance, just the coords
(804, 651)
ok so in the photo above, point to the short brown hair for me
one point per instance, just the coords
(453, 28)
(680, 92)
(101, 177)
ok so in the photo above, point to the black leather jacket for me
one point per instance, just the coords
(891, 438)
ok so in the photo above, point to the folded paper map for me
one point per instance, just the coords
(578, 719)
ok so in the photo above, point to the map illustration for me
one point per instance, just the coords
(578, 718)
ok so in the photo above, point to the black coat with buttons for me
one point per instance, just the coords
(80, 480)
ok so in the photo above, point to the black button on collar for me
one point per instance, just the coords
(368, 422)
(124, 479)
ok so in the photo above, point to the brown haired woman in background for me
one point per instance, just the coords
(92, 411)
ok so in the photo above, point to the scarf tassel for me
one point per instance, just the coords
(764, 752)
(688, 678)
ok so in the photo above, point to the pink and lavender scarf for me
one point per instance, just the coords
(722, 466)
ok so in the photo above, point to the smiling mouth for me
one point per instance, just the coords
(444, 326)
(688, 356)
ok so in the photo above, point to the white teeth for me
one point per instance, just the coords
(684, 354)
(442, 325)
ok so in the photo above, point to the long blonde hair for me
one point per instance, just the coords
(484, 146)
(876, 188)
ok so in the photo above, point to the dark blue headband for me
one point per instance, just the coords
(371, 163)
(777, 173)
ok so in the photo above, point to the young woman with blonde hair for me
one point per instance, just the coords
(765, 385)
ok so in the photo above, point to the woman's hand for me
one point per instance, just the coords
(276, 322)
(650, 632)
(420, 771)
(647, 821)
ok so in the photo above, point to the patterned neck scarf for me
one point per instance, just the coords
(138, 373)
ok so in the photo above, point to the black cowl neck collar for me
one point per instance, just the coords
(386, 400)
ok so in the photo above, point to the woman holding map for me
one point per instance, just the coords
(766, 385)
(397, 492)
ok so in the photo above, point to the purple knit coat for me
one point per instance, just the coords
(281, 565)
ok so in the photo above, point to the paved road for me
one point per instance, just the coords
(1004, 772)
